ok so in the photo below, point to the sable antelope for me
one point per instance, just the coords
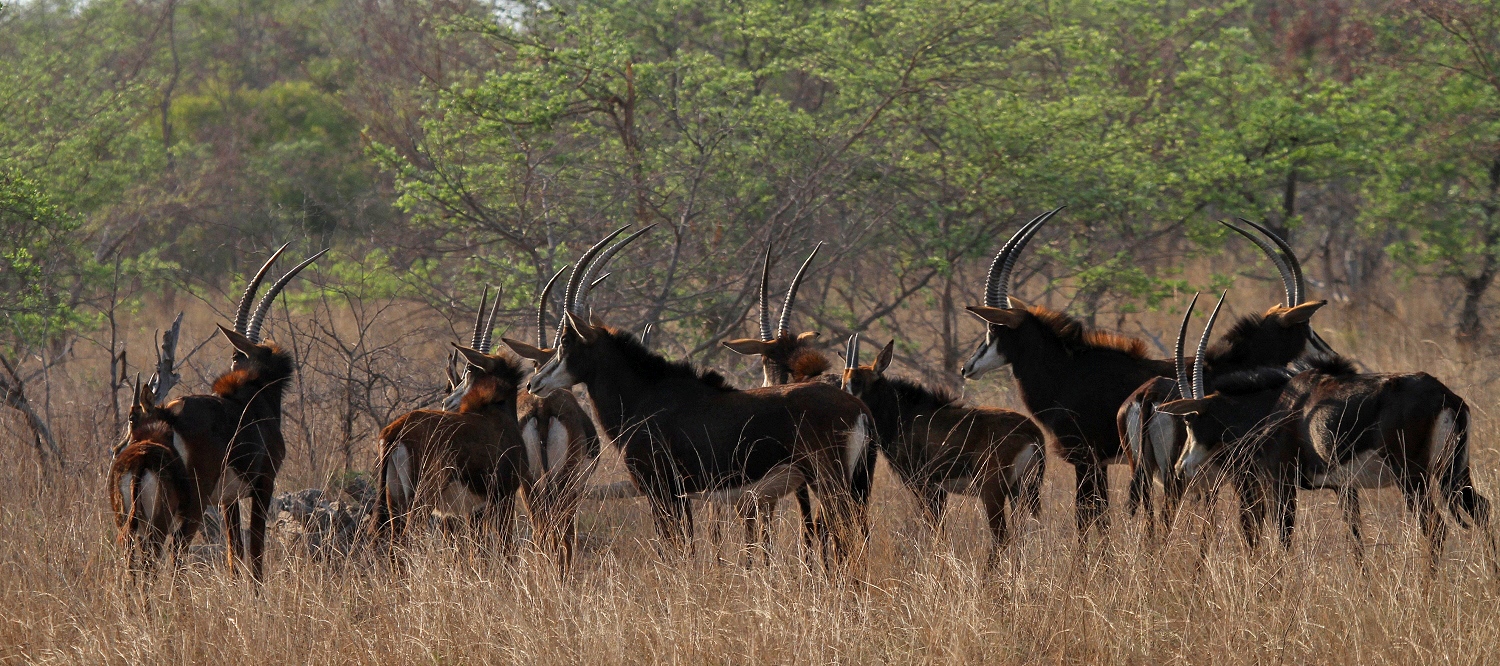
(938, 446)
(1365, 430)
(230, 441)
(787, 358)
(465, 464)
(1270, 340)
(151, 492)
(684, 432)
(1239, 433)
(1072, 380)
(562, 448)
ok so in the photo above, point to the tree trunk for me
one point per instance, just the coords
(1470, 323)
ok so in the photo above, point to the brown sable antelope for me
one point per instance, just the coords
(785, 359)
(1239, 434)
(937, 445)
(1366, 430)
(1269, 340)
(463, 464)
(151, 492)
(1072, 380)
(685, 433)
(562, 448)
(230, 441)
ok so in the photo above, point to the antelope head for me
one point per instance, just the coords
(1000, 312)
(1295, 311)
(1196, 406)
(249, 353)
(784, 357)
(858, 379)
(559, 369)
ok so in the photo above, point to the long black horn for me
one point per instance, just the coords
(541, 308)
(476, 338)
(851, 353)
(994, 289)
(253, 330)
(603, 260)
(1291, 259)
(1015, 254)
(1208, 330)
(1287, 283)
(242, 314)
(646, 334)
(489, 325)
(791, 292)
(1184, 383)
(766, 332)
(580, 268)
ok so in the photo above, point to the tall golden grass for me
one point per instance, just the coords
(65, 595)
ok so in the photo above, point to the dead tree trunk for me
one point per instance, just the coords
(14, 390)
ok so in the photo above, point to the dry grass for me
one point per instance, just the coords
(64, 596)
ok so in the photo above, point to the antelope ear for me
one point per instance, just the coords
(1299, 314)
(240, 342)
(1010, 318)
(476, 358)
(586, 331)
(527, 351)
(1018, 304)
(145, 399)
(749, 346)
(1182, 407)
(807, 337)
(883, 359)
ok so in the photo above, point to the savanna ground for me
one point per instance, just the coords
(66, 597)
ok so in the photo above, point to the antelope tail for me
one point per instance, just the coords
(1450, 434)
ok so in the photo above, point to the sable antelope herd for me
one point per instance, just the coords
(1268, 410)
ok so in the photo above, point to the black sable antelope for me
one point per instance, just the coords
(230, 441)
(683, 432)
(463, 464)
(1365, 430)
(1269, 340)
(938, 446)
(1072, 380)
(1239, 434)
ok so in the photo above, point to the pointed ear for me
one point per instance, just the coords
(807, 337)
(749, 346)
(476, 358)
(1018, 304)
(586, 331)
(883, 359)
(145, 398)
(1182, 407)
(1299, 314)
(240, 342)
(527, 351)
(1011, 318)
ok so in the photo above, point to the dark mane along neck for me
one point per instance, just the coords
(1332, 364)
(260, 382)
(652, 367)
(807, 363)
(914, 396)
(1255, 380)
(1075, 337)
(1254, 342)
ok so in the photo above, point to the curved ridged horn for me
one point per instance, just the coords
(791, 292)
(597, 265)
(1208, 330)
(766, 332)
(253, 330)
(489, 325)
(646, 334)
(998, 285)
(541, 308)
(1287, 282)
(242, 314)
(1299, 293)
(580, 268)
(1184, 383)
(851, 353)
(476, 338)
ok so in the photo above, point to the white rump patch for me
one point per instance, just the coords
(1025, 463)
(149, 497)
(1133, 434)
(533, 442)
(398, 477)
(557, 444)
(859, 440)
(1161, 432)
(181, 448)
(1443, 444)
